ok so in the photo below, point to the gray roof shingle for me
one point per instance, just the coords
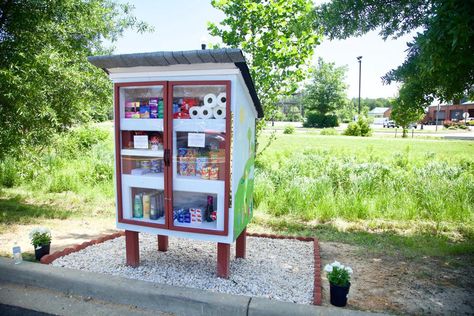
(224, 55)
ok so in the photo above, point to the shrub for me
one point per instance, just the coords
(470, 123)
(289, 130)
(359, 128)
(314, 119)
(329, 131)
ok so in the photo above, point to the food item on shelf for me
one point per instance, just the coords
(153, 109)
(139, 171)
(155, 142)
(132, 109)
(146, 205)
(137, 206)
(182, 215)
(213, 173)
(205, 172)
(209, 209)
(196, 215)
(156, 166)
(144, 111)
(153, 207)
(191, 168)
(160, 109)
(201, 162)
(145, 164)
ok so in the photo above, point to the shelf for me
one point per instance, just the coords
(141, 124)
(196, 184)
(198, 125)
(203, 225)
(161, 220)
(146, 181)
(142, 152)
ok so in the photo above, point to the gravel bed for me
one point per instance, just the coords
(279, 269)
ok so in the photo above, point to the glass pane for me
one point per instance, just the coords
(142, 102)
(199, 153)
(207, 162)
(199, 102)
(197, 210)
(145, 205)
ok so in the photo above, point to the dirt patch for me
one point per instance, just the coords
(391, 284)
(64, 233)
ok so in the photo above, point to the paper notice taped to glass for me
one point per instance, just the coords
(140, 141)
(196, 140)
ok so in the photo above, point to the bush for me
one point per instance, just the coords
(289, 130)
(359, 128)
(329, 132)
(320, 120)
(470, 123)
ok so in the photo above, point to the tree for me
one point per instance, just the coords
(439, 58)
(403, 112)
(277, 38)
(46, 82)
(327, 89)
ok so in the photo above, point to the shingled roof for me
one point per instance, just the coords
(226, 55)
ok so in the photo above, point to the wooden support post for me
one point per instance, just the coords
(223, 258)
(241, 244)
(132, 248)
(162, 243)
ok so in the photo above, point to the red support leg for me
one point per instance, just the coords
(162, 243)
(223, 258)
(241, 244)
(132, 248)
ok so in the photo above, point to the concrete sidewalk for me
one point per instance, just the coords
(73, 292)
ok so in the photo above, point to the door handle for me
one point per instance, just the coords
(167, 157)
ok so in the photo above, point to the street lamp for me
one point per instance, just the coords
(359, 58)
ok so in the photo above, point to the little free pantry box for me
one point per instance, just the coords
(184, 147)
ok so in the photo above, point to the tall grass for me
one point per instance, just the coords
(79, 161)
(324, 185)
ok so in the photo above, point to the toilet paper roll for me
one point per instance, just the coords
(210, 100)
(206, 112)
(222, 99)
(195, 112)
(219, 112)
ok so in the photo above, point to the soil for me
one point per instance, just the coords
(64, 233)
(390, 284)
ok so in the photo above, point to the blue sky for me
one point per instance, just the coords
(182, 24)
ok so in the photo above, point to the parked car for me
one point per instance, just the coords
(389, 124)
(412, 125)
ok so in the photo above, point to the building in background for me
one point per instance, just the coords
(448, 112)
(379, 115)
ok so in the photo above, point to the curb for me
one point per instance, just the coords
(317, 293)
(147, 295)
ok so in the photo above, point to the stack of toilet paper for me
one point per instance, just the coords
(214, 107)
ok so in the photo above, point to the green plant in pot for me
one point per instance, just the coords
(40, 239)
(339, 277)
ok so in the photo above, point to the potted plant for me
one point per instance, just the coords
(339, 277)
(40, 239)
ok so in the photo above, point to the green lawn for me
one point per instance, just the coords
(409, 195)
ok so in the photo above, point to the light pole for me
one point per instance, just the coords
(359, 58)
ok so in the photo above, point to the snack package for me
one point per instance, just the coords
(205, 173)
(213, 173)
(191, 169)
(144, 111)
(201, 162)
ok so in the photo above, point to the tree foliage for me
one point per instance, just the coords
(327, 89)
(46, 82)
(439, 58)
(403, 111)
(278, 39)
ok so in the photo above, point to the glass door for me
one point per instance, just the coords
(200, 143)
(141, 139)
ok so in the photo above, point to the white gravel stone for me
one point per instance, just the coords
(279, 269)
